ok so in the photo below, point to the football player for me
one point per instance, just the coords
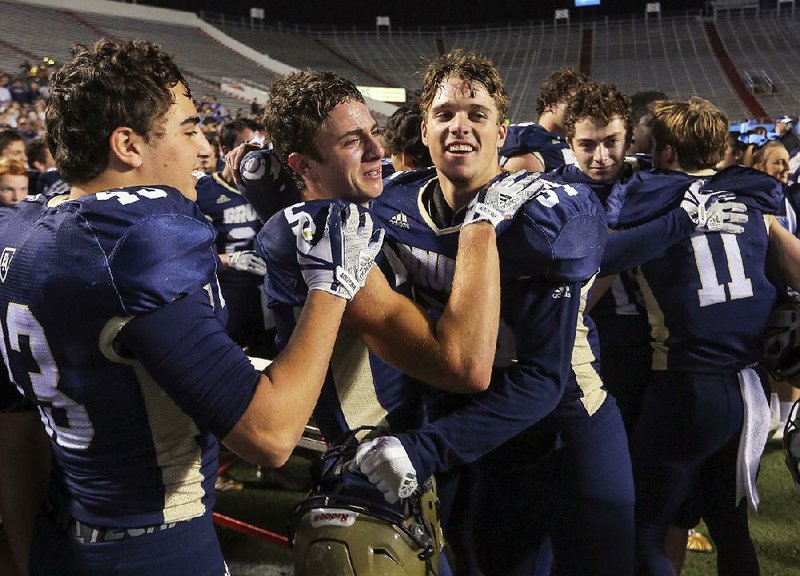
(324, 132)
(113, 327)
(708, 299)
(563, 467)
(541, 146)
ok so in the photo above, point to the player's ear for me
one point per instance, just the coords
(300, 163)
(125, 147)
(424, 132)
(502, 131)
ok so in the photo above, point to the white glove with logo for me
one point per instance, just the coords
(503, 198)
(385, 463)
(338, 260)
(247, 261)
(714, 211)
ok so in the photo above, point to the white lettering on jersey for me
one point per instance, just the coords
(428, 268)
(239, 214)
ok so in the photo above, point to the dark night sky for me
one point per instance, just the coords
(421, 12)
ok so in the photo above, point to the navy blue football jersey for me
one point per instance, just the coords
(548, 254)
(708, 296)
(15, 224)
(360, 389)
(266, 183)
(531, 138)
(128, 453)
(235, 220)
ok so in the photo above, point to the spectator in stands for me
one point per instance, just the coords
(5, 95)
(12, 145)
(541, 146)
(784, 128)
(641, 142)
(13, 181)
(403, 141)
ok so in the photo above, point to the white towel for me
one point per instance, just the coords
(755, 429)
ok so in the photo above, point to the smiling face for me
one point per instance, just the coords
(600, 148)
(175, 147)
(350, 153)
(463, 132)
(775, 163)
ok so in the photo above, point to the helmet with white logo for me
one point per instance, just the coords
(781, 342)
(346, 528)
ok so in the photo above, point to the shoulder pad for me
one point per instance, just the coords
(158, 244)
(558, 235)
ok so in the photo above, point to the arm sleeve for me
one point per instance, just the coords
(519, 396)
(186, 350)
(627, 249)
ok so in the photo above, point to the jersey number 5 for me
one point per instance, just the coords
(66, 421)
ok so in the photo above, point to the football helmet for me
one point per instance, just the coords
(791, 444)
(781, 342)
(346, 528)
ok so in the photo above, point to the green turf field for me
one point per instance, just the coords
(775, 527)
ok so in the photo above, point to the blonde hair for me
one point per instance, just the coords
(759, 155)
(697, 129)
(12, 167)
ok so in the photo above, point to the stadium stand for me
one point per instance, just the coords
(766, 47)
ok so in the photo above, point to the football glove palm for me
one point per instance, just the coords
(339, 259)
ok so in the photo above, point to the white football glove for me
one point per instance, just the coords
(714, 211)
(338, 260)
(503, 198)
(385, 463)
(247, 261)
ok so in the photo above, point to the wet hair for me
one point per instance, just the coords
(473, 70)
(106, 86)
(298, 105)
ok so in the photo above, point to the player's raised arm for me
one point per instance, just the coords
(334, 263)
(456, 352)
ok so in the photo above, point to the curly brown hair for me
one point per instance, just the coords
(472, 69)
(558, 87)
(298, 105)
(696, 128)
(600, 102)
(105, 86)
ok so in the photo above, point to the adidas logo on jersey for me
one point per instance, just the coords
(222, 199)
(5, 262)
(562, 292)
(400, 220)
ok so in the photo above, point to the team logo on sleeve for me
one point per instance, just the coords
(5, 262)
